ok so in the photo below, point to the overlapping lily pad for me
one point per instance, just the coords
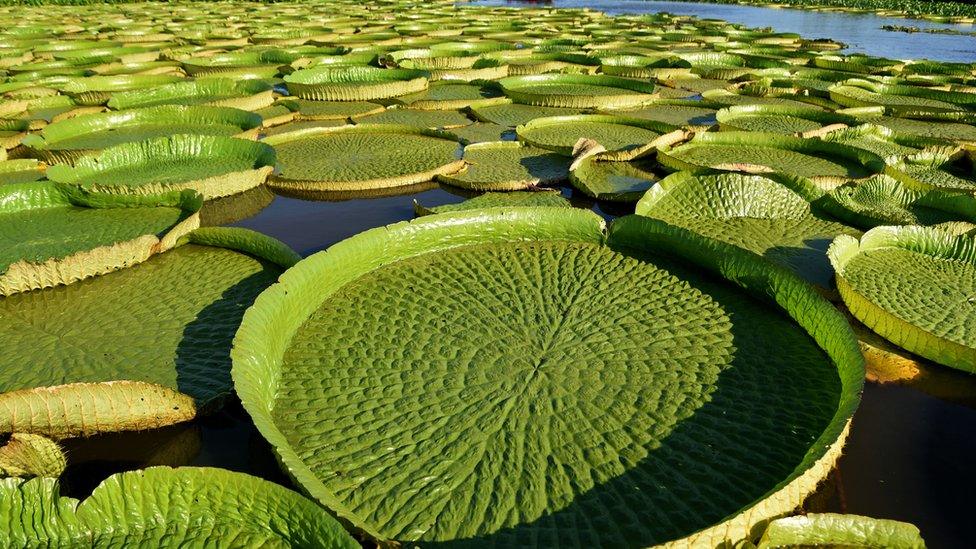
(107, 374)
(96, 90)
(213, 166)
(175, 507)
(616, 133)
(507, 166)
(71, 139)
(435, 390)
(248, 95)
(385, 156)
(772, 217)
(548, 198)
(577, 91)
(913, 286)
(57, 234)
(354, 83)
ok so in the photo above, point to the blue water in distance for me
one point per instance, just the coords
(860, 32)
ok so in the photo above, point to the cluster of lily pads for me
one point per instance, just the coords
(507, 371)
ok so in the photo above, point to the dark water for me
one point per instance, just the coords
(909, 457)
(860, 32)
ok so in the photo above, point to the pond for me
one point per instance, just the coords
(909, 456)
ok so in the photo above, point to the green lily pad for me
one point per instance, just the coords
(56, 234)
(335, 110)
(96, 90)
(248, 95)
(418, 118)
(612, 181)
(615, 133)
(71, 139)
(770, 217)
(513, 114)
(390, 365)
(354, 83)
(547, 198)
(507, 166)
(883, 200)
(448, 95)
(384, 156)
(184, 506)
(91, 338)
(21, 170)
(213, 166)
(684, 113)
(879, 279)
(785, 119)
(577, 91)
(835, 530)
(754, 152)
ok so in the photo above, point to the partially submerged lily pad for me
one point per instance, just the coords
(835, 530)
(386, 155)
(612, 181)
(21, 170)
(394, 355)
(213, 166)
(184, 506)
(101, 372)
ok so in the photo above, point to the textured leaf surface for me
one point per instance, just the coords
(561, 133)
(166, 507)
(439, 429)
(914, 286)
(834, 530)
(615, 181)
(512, 115)
(167, 321)
(363, 157)
(418, 118)
(679, 115)
(754, 212)
(175, 162)
(506, 166)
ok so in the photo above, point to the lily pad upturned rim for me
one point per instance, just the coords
(93, 90)
(23, 275)
(246, 95)
(872, 162)
(284, 183)
(632, 92)
(363, 83)
(931, 241)
(261, 155)
(726, 116)
(46, 141)
(280, 310)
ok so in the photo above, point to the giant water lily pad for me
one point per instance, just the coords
(785, 119)
(56, 234)
(754, 152)
(354, 83)
(548, 197)
(156, 335)
(21, 170)
(612, 181)
(383, 156)
(418, 118)
(507, 166)
(213, 166)
(577, 91)
(835, 530)
(96, 90)
(70, 139)
(945, 170)
(615, 133)
(175, 507)
(914, 287)
(513, 114)
(454, 95)
(383, 372)
(883, 200)
(771, 217)
(249, 95)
